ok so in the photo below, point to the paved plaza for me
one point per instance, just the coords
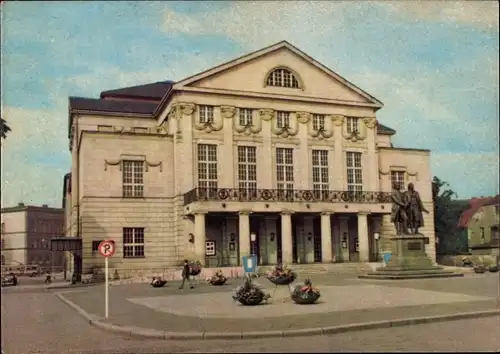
(41, 323)
(344, 301)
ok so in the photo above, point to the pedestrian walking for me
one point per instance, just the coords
(185, 275)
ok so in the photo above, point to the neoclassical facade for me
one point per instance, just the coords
(271, 154)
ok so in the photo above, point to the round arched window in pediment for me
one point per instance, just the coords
(282, 77)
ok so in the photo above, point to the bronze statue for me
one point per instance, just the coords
(398, 212)
(414, 209)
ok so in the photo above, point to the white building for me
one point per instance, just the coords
(271, 146)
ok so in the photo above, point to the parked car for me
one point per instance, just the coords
(9, 280)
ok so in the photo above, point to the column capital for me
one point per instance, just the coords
(363, 213)
(286, 212)
(327, 213)
(245, 212)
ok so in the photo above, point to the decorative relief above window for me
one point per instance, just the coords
(245, 122)
(282, 77)
(284, 125)
(320, 127)
(207, 120)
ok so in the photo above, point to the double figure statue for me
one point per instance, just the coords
(407, 208)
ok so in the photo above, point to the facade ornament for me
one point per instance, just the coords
(209, 127)
(370, 122)
(337, 120)
(150, 164)
(187, 108)
(112, 163)
(228, 111)
(266, 114)
(303, 117)
(254, 128)
(321, 134)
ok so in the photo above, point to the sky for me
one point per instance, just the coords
(434, 65)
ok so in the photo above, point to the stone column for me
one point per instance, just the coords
(364, 244)
(244, 233)
(199, 236)
(326, 238)
(286, 237)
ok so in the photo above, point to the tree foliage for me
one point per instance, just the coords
(4, 128)
(447, 213)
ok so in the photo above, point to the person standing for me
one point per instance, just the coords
(185, 275)
(415, 208)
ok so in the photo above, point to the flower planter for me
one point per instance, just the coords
(250, 300)
(493, 269)
(159, 284)
(480, 269)
(218, 281)
(311, 298)
(283, 280)
(250, 294)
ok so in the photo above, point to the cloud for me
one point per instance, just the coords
(35, 156)
(460, 170)
(481, 14)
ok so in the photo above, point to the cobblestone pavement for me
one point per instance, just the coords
(40, 323)
(124, 312)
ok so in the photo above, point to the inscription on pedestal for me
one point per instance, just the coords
(414, 246)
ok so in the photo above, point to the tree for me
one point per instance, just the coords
(447, 213)
(4, 128)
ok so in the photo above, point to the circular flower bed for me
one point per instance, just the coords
(305, 294)
(249, 294)
(281, 275)
(218, 279)
(195, 268)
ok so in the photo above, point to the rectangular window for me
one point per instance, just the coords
(206, 114)
(481, 234)
(495, 235)
(318, 122)
(207, 170)
(247, 172)
(352, 125)
(284, 173)
(95, 245)
(246, 117)
(282, 119)
(133, 242)
(133, 179)
(398, 179)
(354, 172)
(320, 174)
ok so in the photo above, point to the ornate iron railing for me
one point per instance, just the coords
(275, 195)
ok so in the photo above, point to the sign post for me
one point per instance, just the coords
(106, 249)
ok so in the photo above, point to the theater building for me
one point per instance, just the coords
(271, 154)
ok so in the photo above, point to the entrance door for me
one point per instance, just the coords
(279, 253)
(317, 240)
(255, 245)
(294, 242)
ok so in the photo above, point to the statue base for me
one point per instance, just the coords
(409, 261)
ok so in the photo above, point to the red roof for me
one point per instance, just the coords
(474, 205)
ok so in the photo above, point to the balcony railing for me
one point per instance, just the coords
(275, 195)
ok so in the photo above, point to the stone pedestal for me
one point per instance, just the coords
(409, 261)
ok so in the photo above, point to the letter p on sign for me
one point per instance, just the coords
(107, 248)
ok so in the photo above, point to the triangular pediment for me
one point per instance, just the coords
(250, 72)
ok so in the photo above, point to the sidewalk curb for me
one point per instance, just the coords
(140, 332)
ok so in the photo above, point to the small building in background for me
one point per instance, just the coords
(481, 222)
(26, 233)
